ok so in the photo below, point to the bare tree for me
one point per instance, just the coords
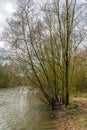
(44, 46)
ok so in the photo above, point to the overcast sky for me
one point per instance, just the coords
(7, 7)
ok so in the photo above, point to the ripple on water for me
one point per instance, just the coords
(21, 110)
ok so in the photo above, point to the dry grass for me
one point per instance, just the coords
(73, 119)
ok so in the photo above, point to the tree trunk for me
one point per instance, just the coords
(67, 56)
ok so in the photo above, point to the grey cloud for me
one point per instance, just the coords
(6, 9)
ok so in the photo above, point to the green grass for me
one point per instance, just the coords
(72, 106)
(79, 94)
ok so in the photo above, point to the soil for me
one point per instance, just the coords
(73, 118)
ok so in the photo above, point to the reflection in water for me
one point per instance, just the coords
(23, 93)
(21, 110)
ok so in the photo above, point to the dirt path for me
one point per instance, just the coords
(73, 119)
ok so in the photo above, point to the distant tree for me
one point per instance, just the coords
(9, 76)
(79, 82)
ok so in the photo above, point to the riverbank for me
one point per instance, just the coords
(73, 118)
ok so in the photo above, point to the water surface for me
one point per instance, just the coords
(21, 110)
